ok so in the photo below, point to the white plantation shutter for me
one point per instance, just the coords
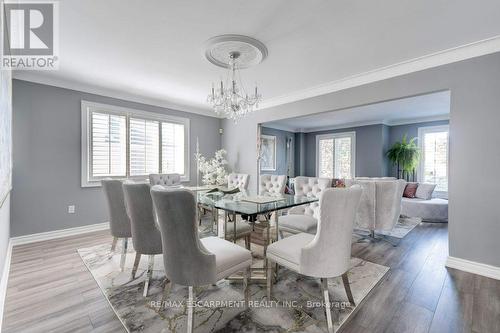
(342, 157)
(326, 158)
(335, 155)
(172, 145)
(122, 143)
(434, 160)
(144, 147)
(108, 145)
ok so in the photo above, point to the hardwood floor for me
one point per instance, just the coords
(50, 290)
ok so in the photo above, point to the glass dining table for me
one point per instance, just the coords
(248, 204)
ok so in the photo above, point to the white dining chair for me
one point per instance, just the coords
(326, 254)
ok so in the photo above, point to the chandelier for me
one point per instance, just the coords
(229, 99)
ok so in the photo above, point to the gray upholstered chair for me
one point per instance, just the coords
(272, 184)
(304, 218)
(238, 180)
(146, 236)
(189, 260)
(326, 254)
(119, 222)
(165, 179)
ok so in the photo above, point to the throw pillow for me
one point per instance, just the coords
(424, 191)
(410, 190)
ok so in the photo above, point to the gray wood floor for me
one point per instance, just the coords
(50, 290)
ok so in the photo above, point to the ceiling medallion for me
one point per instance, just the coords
(234, 52)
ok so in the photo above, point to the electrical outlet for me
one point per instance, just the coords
(71, 209)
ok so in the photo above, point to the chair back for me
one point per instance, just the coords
(165, 179)
(146, 236)
(119, 222)
(187, 262)
(311, 187)
(329, 253)
(272, 184)
(388, 203)
(239, 180)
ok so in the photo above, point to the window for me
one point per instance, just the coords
(434, 142)
(335, 155)
(125, 143)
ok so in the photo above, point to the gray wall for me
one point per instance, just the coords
(396, 134)
(474, 212)
(47, 157)
(370, 160)
(281, 151)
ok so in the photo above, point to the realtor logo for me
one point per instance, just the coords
(30, 35)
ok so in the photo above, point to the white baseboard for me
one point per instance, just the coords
(5, 279)
(58, 234)
(474, 267)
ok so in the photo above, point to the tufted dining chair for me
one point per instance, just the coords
(304, 218)
(189, 260)
(146, 236)
(119, 222)
(238, 180)
(272, 184)
(326, 254)
(165, 179)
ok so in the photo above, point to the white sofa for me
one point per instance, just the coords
(432, 210)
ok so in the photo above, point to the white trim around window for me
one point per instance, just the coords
(89, 107)
(351, 135)
(421, 132)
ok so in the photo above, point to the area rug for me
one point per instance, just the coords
(296, 305)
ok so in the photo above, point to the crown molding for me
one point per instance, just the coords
(358, 124)
(34, 77)
(455, 54)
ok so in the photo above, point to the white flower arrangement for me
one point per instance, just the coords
(213, 170)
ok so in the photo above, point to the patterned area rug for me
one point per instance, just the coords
(297, 304)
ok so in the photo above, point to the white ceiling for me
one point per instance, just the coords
(421, 108)
(153, 49)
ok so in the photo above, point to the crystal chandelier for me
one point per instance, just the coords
(231, 100)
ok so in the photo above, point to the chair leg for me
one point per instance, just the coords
(190, 305)
(113, 247)
(151, 261)
(269, 279)
(246, 289)
(328, 311)
(247, 242)
(124, 254)
(347, 287)
(166, 290)
(136, 264)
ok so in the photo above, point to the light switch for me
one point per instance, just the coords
(71, 209)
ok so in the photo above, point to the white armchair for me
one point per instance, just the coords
(326, 254)
(304, 218)
(272, 184)
(380, 204)
(238, 180)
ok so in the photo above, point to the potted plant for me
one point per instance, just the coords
(405, 155)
